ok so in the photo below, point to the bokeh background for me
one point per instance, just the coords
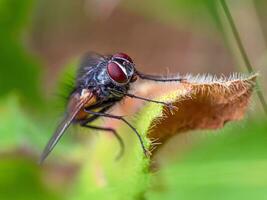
(39, 41)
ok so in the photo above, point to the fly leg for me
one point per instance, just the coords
(169, 105)
(84, 123)
(94, 117)
(146, 152)
(114, 132)
(158, 78)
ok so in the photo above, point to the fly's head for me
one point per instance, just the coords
(121, 72)
(106, 76)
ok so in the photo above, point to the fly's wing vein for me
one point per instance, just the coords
(63, 126)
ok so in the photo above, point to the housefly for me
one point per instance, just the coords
(101, 82)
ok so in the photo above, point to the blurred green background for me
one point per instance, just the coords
(39, 40)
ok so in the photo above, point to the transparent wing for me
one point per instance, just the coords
(77, 105)
(90, 60)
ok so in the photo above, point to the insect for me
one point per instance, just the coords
(101, 82)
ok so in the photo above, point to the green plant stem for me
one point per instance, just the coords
(243, 51)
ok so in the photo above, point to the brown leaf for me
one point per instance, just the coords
(208, 104)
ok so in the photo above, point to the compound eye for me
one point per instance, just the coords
(116, 72)
(123, 56)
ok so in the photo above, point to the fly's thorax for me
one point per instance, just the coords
(101, 76)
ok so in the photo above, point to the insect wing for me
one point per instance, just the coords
(90, 60)
(77, 105)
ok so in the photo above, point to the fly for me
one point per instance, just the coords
(101, 82)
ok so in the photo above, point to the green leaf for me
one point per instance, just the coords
(21, 179)
(17, 130)
(229, 164)
(19, 71)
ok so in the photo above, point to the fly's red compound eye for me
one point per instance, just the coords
(117, 73)
(123, 56)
